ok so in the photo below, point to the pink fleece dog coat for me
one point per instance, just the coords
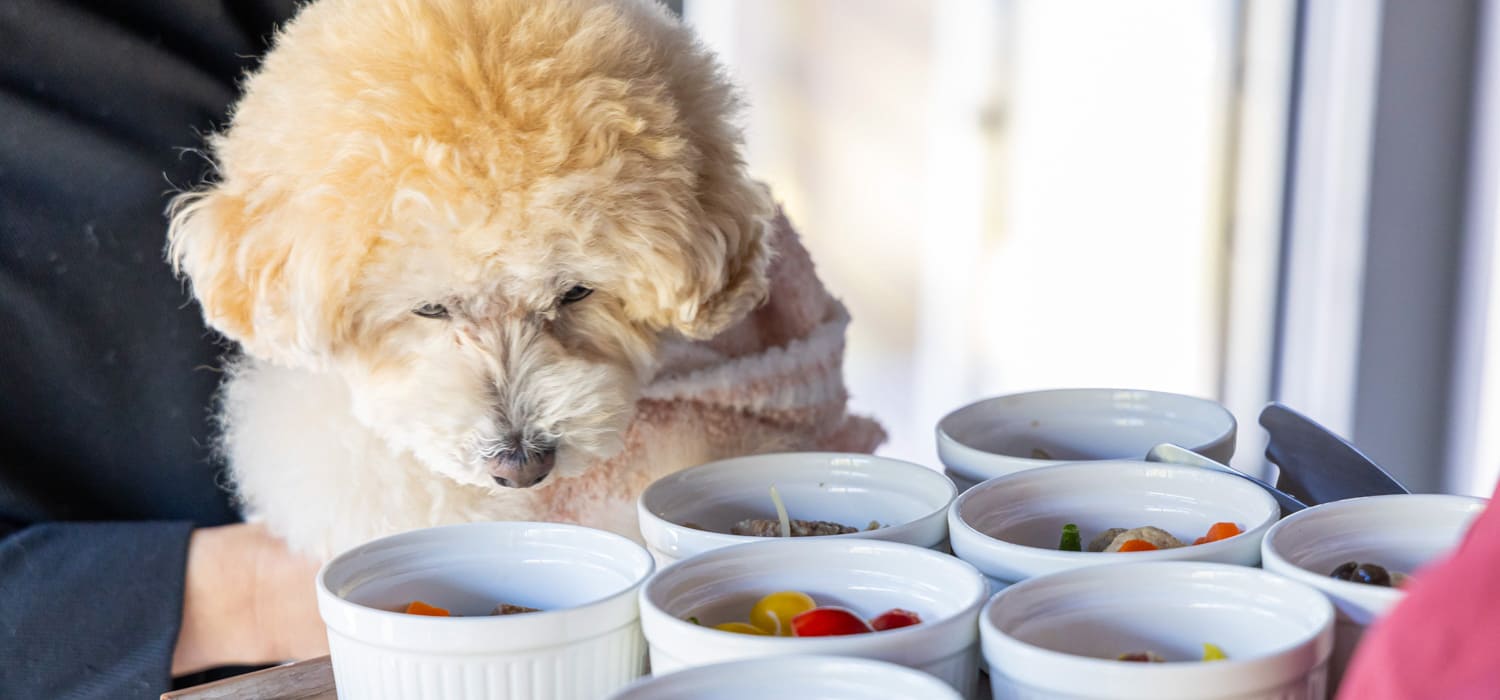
(771, 383)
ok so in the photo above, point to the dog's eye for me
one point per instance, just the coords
(431, 311)
(577, 293)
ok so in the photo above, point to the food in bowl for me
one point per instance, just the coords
(692, 511)
(785, 526)
(508, 609)
(586, 641)
(1059, 635)
(796, 614)
(1141, 539)
(764, 527)
(417, 607)
(1071, 540)
(1370, 574)
(1211, 652)
(1138, 539)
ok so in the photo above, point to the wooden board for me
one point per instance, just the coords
(305, 680)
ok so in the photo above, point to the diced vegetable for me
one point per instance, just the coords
(1071, 540)
(829, 622)
(774, 612)
(895, 619)
(741, 628)
(1219, 531)
(1212, 652)
(1137, 546)
(796, 614)
(417, 607)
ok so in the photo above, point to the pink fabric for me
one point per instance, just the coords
(772, 383)
(1443, 639)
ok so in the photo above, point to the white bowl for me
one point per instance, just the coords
(792, 678)
(1007, 434)
(1009, 527)
(866, 576)
(1402, 533)
(585, 644)
(1058, 636)
(853, 489)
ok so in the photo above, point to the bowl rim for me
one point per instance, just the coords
(933, 686)
(947, 442)
(960, 530)
(542, 629)
(713, 540)
(1273, 560)
(842, 645)
(1194, 673)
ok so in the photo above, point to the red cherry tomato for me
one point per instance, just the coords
(828, 622)
(894, 618)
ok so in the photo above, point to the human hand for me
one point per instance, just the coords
(248, 600)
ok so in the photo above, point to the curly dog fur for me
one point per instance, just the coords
(450, 237)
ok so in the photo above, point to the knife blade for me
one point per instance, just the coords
(1316, 465)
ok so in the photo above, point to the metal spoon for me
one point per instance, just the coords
(1175, 454)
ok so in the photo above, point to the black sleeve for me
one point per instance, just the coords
(91, 610)
(106, 370)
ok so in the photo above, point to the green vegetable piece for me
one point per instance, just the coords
(1071, 540)
(694, 620)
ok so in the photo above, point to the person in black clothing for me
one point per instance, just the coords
(121, 563)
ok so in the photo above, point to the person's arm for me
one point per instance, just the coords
(90, 609)
(93, 610)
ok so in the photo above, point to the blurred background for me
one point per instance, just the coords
(1241, 200)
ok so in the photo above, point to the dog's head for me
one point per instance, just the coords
(482, 214)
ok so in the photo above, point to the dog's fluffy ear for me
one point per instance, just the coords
(277, 295)
(728, 274)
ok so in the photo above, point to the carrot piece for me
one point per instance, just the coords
(1137, 546)
(418, 607)
(1220, 531)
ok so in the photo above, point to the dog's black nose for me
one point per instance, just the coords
(524, 466)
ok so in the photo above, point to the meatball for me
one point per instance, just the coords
(1155, 535)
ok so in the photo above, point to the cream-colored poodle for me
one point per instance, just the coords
(450, 237)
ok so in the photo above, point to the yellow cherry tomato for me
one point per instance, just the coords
(774, 612)
(1212, 652)
(740, 628)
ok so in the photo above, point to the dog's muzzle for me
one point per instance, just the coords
(523, 467)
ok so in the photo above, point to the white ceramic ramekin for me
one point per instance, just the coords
(910, 500)
(999, 436)
(793, 678)
(1059, 636)
(1402, 533)
(586, 643)
(866, 576)
(1009, 527)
